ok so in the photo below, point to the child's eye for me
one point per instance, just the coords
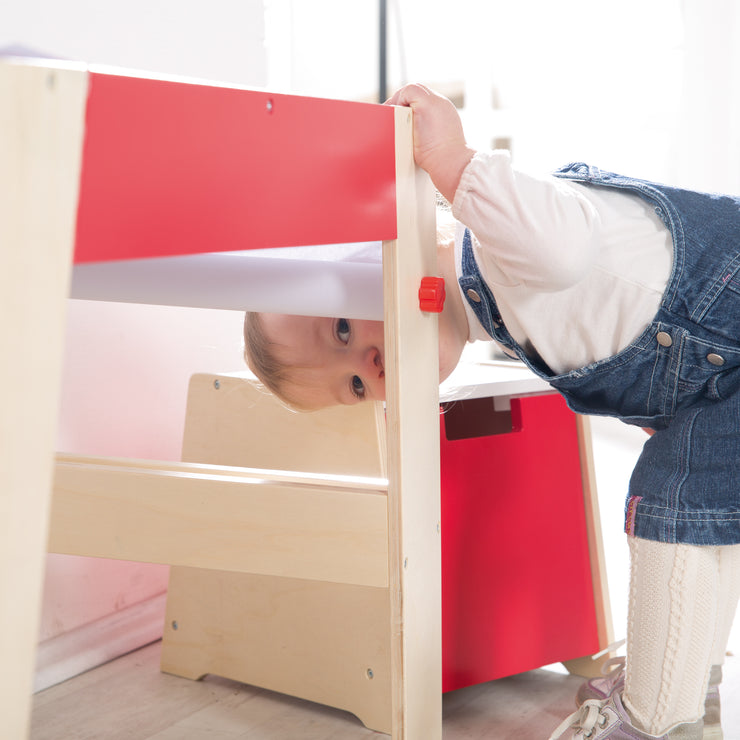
(343, 330)
(357, 387)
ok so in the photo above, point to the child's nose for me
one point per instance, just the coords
(374, 372)
(374, 362)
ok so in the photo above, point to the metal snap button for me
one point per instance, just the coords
(664, 339)
(473, 295)
(715, 359)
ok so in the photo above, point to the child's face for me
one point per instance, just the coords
(332, 361)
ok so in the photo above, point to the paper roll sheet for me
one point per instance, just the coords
(239, 281)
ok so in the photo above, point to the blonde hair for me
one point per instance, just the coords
(274, 374)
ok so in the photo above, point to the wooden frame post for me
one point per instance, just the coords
(412, 396)
(41, 124)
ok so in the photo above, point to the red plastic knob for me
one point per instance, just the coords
(432, 294)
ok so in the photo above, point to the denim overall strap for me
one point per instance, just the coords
(680, 376)
(483, 304)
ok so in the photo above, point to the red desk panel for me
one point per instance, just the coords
(172, 168)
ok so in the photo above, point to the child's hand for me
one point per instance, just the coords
(439, 141)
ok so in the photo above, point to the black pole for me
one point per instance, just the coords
(383, 52)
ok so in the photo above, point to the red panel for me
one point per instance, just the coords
(179, 168)
(516, 580)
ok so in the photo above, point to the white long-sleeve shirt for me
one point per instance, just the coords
(577, 271)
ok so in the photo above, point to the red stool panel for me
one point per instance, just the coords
(517, 590)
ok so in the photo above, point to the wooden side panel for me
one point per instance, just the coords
(412, 394)
(325, 642)
(320, 641)
(232, 421)
(41, 129)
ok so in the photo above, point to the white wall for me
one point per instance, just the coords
(650, 89)
(220, 40)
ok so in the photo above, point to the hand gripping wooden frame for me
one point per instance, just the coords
(108, 166)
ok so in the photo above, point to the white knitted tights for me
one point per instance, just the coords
(681, 605)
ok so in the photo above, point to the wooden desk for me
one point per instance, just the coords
(107, 165)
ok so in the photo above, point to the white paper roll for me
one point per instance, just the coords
(279, 283)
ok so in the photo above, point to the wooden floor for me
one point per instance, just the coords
(129, 699)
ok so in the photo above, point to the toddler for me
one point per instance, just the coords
(625, 296)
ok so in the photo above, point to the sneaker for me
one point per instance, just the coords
(712, 726)
(613, 681)
(607, 719)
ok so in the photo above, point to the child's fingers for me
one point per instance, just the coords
(409, 95)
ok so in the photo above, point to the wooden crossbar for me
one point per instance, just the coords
(333, 528)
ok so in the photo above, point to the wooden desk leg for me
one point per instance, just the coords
(587, 666)
(41, 122)
(412, 394)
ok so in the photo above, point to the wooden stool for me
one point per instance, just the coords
(330, 642)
